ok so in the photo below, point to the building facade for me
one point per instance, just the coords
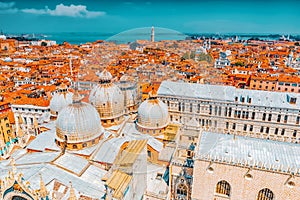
(225, 109)
(237, 167)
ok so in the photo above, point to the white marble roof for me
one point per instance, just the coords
(108, 150)
(33, 158)
(166, 153)
(156, 185)
(89, 183)
(94, 174)
(228, 94)
(45, 140)
(73, 163)
(257, 153)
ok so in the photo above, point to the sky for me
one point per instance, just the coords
(114, 16)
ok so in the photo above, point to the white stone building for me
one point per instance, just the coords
(238, 167)
(226, 109)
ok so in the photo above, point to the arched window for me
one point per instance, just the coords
(223, 187)
(181, 190)
(265, 194)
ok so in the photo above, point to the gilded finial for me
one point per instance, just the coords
(72, 195)
(43, 190)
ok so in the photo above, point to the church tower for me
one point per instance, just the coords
(152, 34)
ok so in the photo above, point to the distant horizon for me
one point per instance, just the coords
(106, 33)
(201, 16)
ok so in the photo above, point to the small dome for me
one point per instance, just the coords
(126, 78)
(60, 99)
(127, 82)
(105, 76)
(128, 85)
(153, 114)
(79, 121)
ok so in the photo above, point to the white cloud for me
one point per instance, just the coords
(8, 11)
(69, 11)
(6, 5)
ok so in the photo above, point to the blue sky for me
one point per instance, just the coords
(113, 16)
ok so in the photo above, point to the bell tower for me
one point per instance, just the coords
(152, 34)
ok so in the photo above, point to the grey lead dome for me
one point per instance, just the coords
(78, 121)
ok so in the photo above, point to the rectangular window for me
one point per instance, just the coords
(267, 130)
(227, 125)
(239, 114)
(276, 131)
(264, 117)
(295, 133)
(261, 129)
(285, 119)
(270, 117)
(297, 119)
(278, 118)
(225, 112)
(253, 115)
(191, 107)
(293, 100)
(247, 114)
(245, 127)
(282, 131)
(233, 126)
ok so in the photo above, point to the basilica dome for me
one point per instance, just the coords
(108, 99)
(153, 115)
(60, 99)
(78, 125)
(128, 86)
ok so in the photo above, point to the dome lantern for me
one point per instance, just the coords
(105, 77)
